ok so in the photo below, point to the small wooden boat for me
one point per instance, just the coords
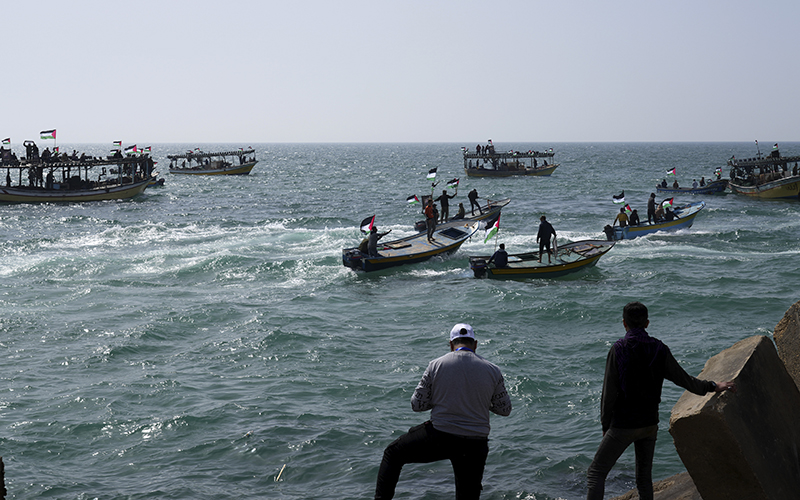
(685, 219)
(222, 163)
(62, 178)
(772, 177)
(712, 187)
(568, 258)
(487, 163)
(489, 212)
(417, 248)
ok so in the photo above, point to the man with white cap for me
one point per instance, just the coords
(460, 388)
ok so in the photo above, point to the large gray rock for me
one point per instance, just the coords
(787, 339)
(747, 444)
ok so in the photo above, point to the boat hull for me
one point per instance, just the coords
(37, 195)
(412, 249)
(786, 188)
(242, 169)
(569, 259)
(710, 188)
(487, 172)
(686, 216)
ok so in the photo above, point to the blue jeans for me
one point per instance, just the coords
(423, 444)
(614, 442)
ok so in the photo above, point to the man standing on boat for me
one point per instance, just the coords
(651, 209)
(444, 199)
(544, 236)
(372, 241)
(636, 367)
(473, 201)
(461, 389)
(430, 219)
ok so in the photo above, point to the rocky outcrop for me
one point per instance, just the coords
(747, 444)
(787, 339)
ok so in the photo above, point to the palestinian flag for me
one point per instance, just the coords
(117, 143)
(7, 140)
(412, 200)
(55, 149)
(620, 198)
(366, 224)
(146, 149)
(453, 184)
(628, 209)
(718, 171)
(671, 171)
(667, 203)
(432, 174)
(131, 149)
(48, 134)
(492, 230)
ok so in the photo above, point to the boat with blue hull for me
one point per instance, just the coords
(568, 259)
(713, 187)
(684, 219)
(412, 249)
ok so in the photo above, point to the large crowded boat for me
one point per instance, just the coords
(486, 162)
(54, 177)
(223, 163)
(770, 177)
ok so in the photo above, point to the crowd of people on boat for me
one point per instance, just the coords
(656, 213)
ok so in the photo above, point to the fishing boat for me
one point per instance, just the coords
(223, 163)
(488, 212)
(770, 177)
(568, 258)
(485, 162)
(412, 249)
(685, 218)
(63, 178)
(713, 187)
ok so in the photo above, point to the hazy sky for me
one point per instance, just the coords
(401, 71)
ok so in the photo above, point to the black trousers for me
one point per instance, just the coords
(424, 444)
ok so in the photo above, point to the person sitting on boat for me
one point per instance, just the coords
(622, 217)
(634, 219)
(444, 199)
(694, 184)
(659, 217)
(473, 201)
(461, 212)
(500, 257)
(664, 183)
(543, 237)
(675, 184)
(702, 181)
(372, 245)
(670, 215)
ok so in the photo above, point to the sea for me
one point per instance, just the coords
(204, 340)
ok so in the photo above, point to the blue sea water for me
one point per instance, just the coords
(203, 340)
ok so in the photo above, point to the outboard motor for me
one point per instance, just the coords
(609, 232)
(478, 266)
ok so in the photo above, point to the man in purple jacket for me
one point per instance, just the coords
(460, 388)
(636, 367)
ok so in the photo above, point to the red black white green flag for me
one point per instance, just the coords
(412, 200)
(366, 224)
(48, 134)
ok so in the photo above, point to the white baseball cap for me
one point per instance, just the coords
(462, 330)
